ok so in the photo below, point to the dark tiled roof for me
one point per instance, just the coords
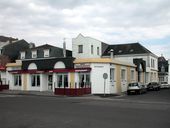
(12, 50)
(161, 59)
(5, 39)
(123, 49)
(162, 62)
(54, 51)
(48, 64)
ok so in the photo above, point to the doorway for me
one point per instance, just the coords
(50, 82)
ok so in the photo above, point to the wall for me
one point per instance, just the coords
(147, 58)
(97, 78)
(86, 42)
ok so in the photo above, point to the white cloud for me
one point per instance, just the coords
(112, 21)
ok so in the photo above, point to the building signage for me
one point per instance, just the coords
(82, 66)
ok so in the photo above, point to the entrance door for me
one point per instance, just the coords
(50, 82)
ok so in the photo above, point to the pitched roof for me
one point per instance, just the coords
(5, 39)
(45, 46)
(54, 51)
(12, 50)
(161, 59)
(123, 49)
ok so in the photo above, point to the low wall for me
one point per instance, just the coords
(72, 91)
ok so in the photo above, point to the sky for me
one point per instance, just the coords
(111, 21)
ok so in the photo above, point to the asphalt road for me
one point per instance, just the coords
(150, 110)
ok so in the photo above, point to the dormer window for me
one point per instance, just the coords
(120, 51)
(22, 55)
(34, 54)
(131, 50)
(46, 53)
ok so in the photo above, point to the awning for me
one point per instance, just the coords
(50, 71)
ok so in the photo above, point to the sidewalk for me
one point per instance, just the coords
(51, 94)
(34, 93)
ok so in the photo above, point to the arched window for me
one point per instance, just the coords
(59, 65)
(32, 66)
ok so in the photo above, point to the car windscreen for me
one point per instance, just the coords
(133, 84)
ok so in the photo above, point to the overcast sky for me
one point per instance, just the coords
(111, 21)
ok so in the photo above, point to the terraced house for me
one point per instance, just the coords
(81, 71)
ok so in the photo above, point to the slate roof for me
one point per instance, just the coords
(5, 39)
(48, 64)
(12, 50)
(162, 62)
(123, 49)
(54, 51)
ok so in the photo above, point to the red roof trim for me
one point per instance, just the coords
(50, 71)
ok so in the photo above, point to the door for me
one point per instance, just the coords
(50, 81)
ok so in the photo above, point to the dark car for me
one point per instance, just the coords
(136, 88)
(154, 86)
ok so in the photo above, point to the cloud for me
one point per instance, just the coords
(112, 21)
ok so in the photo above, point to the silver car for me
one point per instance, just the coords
(136, 88)
(164, 85)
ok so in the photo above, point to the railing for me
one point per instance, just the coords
(74, 91)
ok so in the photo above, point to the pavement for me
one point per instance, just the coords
(51, 94)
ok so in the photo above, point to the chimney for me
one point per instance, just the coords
(64, 47)
(31, 45)
(111, 53)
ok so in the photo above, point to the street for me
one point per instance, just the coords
(150, 110)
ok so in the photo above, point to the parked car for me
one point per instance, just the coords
(136, 88)
(154, 86)
(164, 85)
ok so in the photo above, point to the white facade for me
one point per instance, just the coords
(151, 74)
(91, 47)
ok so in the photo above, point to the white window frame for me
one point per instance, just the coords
(112, 74)
(132, 74)
(36, 82)
(85, 84)
(34, 54)
(17, 80)
(22, 55)
(123, 74)
(46, 52)
(63, 80)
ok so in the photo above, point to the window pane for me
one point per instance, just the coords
(80, 48)
(111, 74)
(81, 80)
(15, 80)
(123, 74)
(88, 79)
(132, 74)
(65, 81)
(33, 80)
(91, 49)
(19, 77)
(38, 80)
(97, 50)
(59, 80)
